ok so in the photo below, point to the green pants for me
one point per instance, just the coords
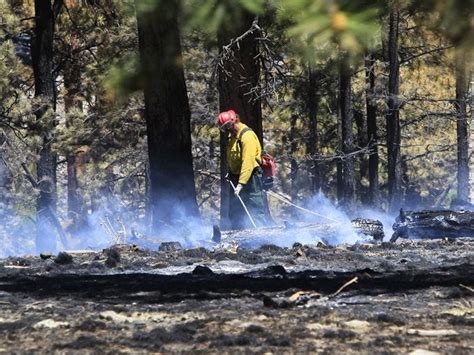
(254, 198)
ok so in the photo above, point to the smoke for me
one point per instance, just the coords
(103, 228)
(111, 224)
(320, 221)
(106, 227)
(328, 213)
(188, 230)
(16, 235)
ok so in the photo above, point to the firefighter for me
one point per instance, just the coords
(244, 171)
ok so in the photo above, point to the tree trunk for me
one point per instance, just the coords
(75, 203)
(471, 138)
(374, 193)
(462, 127)
(5, 178)
(347, 179)
(312, 102)
(238, 76)
(392, 116)
(362, 142)
(42, 58)
(172, 190)
(293, 162)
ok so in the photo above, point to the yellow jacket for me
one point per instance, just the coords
(242, 162)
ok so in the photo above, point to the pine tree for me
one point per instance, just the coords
(172, 191)
(346, 187)
(393, 115)
(372, 135)
(42, 56)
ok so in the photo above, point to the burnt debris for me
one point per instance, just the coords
(436, 224)
(112, 257)
(368, 227)
(170, 246)
(63, 258)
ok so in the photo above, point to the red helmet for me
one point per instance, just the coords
(226, 120)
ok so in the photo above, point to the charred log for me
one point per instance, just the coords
(433, 224)
(139, 285)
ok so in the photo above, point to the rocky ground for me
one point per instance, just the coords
(408, 297)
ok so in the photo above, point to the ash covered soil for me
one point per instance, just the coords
(408, 297)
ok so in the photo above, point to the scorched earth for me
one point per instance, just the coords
(407, 297)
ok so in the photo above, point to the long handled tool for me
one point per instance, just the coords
(243, 205)
(285, 200)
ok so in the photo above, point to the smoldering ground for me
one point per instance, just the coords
(268, 299)
(107, 226)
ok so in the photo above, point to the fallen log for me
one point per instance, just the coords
(272, 279)
(431, 224)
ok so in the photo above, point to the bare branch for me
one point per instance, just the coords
(429, 151)
(341, 156)
(57, 5)
(29, 176)
(440, 49)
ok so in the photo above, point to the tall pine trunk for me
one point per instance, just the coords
(471, 138)
(362, 142)
(172, 190)
(312, 102)
(374, 193)
(42, 58)
(393, 116)
(238, 76)
(462, 127)
(75, 202)
(346, 184)
(293, 162)
(5, 178)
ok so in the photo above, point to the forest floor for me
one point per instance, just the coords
(409, 297)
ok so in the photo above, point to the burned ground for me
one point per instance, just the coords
(408, 296)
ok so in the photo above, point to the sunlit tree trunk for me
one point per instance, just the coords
(238, 78)
(75, 202)
(5, 177)
(172, 191)
(462, 127)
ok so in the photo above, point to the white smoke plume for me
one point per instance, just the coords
(107, 227)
